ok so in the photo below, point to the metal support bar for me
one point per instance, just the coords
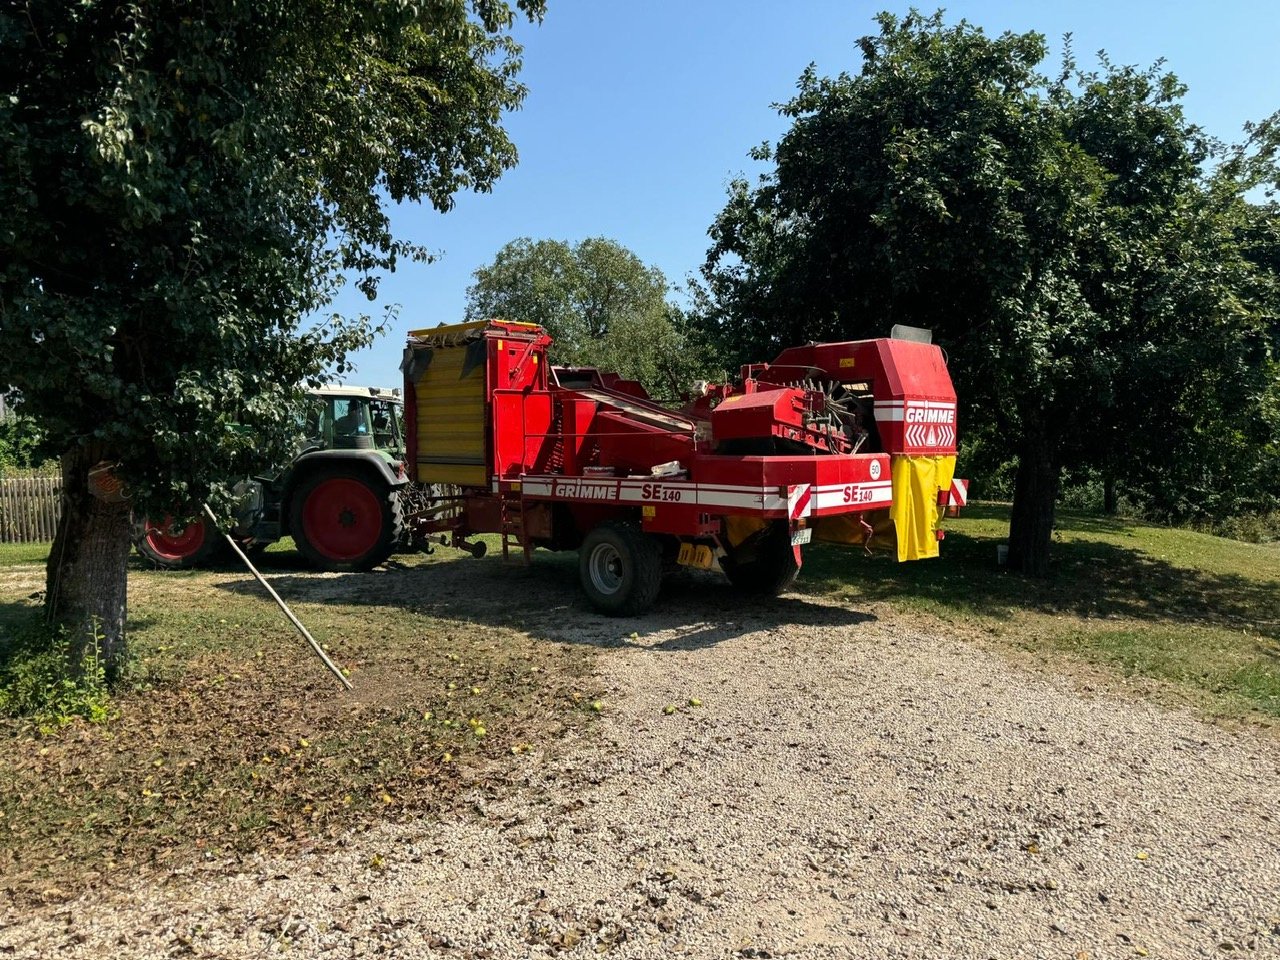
(319, 651)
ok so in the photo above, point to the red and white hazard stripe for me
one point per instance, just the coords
(799, 501)
(959, 495)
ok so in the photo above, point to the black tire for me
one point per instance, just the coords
(343, 517)
(620, 567)
(174, 547)
(765, 563)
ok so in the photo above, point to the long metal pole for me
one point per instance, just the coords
(324, 657)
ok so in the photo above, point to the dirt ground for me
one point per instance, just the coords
(783, 779)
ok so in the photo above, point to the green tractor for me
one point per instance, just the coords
(339, 498)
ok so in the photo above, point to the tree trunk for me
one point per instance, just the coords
(1110, 502)
(1035, 494)
(87, 573)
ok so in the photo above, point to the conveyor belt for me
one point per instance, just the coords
(639, 411)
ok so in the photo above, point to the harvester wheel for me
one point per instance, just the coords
(342, 518)
(621, 568)
(178, 546)
(765, 563)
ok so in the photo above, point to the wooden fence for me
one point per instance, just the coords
(29, 508)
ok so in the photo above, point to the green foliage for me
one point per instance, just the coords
(181, 184)
(1253, 527)
(1102, 299)
(21, 442)
(40, 681)
(603, 306)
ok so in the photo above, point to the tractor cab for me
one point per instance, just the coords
(353, 418)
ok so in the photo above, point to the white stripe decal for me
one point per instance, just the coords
(857, 495)
(755, 499)
(932, 404)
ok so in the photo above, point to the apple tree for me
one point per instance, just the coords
(181, 187)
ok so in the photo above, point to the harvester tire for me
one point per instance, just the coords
(764, 564)
(343, 518)
(621, 568)
(178, 547)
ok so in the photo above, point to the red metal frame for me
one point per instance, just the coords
(577, 446)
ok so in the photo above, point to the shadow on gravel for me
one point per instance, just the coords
(544, 600)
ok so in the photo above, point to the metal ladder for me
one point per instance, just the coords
(513, 530)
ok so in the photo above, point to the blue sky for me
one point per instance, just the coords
(639, 114)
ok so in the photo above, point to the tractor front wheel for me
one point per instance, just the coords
(765, 563)
(342, 518)
(178, 546)
(621, 568)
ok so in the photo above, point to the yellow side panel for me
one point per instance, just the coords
(460, 475)
(915, 510)
(451, 420)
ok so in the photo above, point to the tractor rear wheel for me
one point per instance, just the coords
(765, 563)
(178, 546)
(620, 567)
(342, 518)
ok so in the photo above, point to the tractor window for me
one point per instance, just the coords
(315, 423)
(386, 424)
(350, 417)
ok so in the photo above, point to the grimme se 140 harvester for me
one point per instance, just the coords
(845, 442)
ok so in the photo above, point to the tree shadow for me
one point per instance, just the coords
(1089, 578)
(18, 616)
(545, 601)
(1092, 577)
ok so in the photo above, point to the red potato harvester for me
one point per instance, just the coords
(846, 442)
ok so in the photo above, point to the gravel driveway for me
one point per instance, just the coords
(848, 787)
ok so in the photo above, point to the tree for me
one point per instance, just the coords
(20, 440)
(603, 306)
(180, 186)
(1058, 235)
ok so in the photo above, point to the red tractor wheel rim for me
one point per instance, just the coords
(342, 519)
(166, 540)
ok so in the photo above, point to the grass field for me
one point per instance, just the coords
(230, 736)
(24, 553)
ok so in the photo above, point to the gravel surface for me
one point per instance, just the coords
(848, 787)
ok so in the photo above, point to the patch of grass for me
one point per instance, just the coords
(38, 684)
(230, 737)
(1197, 613)
(16, 554)
(1239, 671)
